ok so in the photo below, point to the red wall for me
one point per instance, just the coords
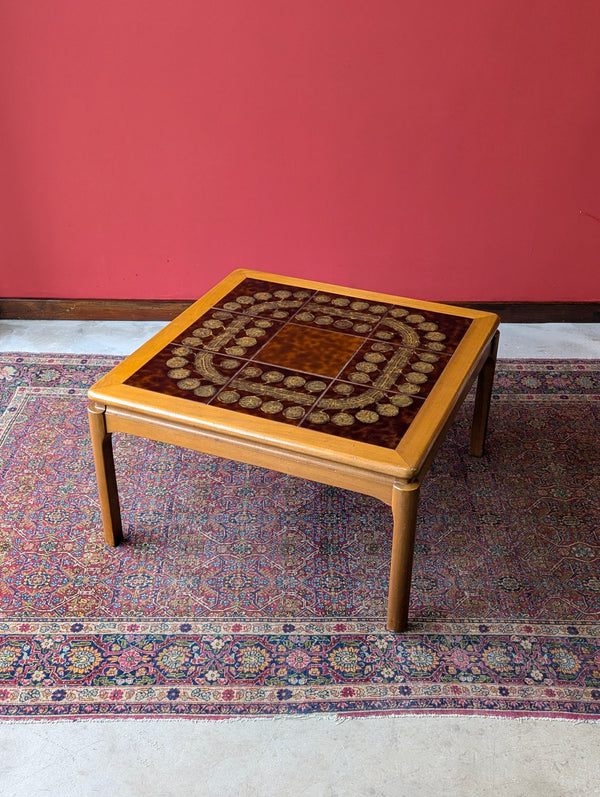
(446, 150)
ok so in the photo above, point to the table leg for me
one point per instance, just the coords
(405, 502)
(105, 474)
(482, 400)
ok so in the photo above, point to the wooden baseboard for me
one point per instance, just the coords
(93, 309)
(167, 309)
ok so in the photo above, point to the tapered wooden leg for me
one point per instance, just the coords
(482, 400)
(405, 503)
(105, 474)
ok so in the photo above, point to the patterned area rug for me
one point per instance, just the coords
(240, 591)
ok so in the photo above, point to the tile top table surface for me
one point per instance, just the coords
(347, 364)
(318, 360)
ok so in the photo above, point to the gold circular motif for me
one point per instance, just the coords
(416, 379)
(294, 381)
(255, 332)
(342, 323)
(305, 317)
(246, 300)
(294, 413)
(435, 336)
(212, 323)
(408, 388)
(263, 323)
(176, 362)
(343, 419)
(272, 376)
(229, 365)
(401, 401)
(415, 318)
(436, 346)
(301, 294)
(366, 368)
(282, 294)
(263, 296)
(398, 312)
(272, 407)
(201, 333)
(384, 335)
(315, 385)
(318, 417)
(222, 315)
(323, 320)
(178, 373)
(182, 351)
(236, 351)
(361, 328)
(250, 402)
(388, 410)
(251, 372)
(232, 306)
(359, 305)
(378, 309)
(343, 389)
(205, 390)
(381, 347)
(428, 358)
(373, 357)
(188, 384)
(428, 326)
(280, 314)
(341, 301)
(321, 298)
(246, 341)
(367, 416)
(359, 378)
(422, 368)
(229, 396)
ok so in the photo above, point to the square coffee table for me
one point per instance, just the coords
(341, 386)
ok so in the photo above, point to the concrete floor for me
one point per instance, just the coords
(312, 756)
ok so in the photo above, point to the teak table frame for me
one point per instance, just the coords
(391, 475)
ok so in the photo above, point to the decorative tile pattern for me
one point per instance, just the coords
(332, 363)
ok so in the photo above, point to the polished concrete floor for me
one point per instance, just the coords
(312, 756)
(122, 337)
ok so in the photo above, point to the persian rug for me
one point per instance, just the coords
(240, 591)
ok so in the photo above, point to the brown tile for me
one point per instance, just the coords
(316, 351)
(229, 333)
(265, 299)
(197, 376)
(342, 313)
(367, 415)
(410, 371)
(420, 329)
(276, 393)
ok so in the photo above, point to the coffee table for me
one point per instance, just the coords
(346, 387)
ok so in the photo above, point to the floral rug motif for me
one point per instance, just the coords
(240, 591)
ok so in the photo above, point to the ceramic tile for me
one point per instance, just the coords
(342, 313)
(265, 299)
(420, 329)
(384, 366)
(367, 415)
(315, 351)
(229, 333)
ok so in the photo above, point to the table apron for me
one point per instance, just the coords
(262, 454)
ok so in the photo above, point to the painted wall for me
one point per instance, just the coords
(446, 150)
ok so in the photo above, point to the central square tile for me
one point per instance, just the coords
(309, 350)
